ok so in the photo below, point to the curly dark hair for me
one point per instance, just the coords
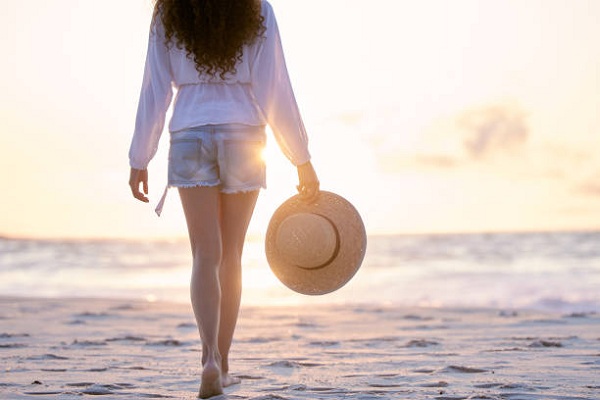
(212, 32)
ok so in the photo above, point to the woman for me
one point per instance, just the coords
(225, 59)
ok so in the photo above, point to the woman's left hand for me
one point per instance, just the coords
(137, 177)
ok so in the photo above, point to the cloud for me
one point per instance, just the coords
(392, 162)
(493, 129)
(590, 186)
(494, 139)
(590, 189)
(485, 134)
(435, 160)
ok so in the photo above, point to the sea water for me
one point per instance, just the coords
(544, 271)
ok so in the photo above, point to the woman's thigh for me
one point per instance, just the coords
(202, 213)
(236, 213)
(217, 222)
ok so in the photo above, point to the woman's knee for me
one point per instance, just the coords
(231, 258)
(207, 260)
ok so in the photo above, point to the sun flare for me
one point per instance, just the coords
(381, 96)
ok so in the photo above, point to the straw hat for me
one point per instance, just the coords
(315, 248)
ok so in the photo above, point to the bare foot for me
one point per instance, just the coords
(228, 380)
(211, 381)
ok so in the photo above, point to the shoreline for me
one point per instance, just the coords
(133, 349)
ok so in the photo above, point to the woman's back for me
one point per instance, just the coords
(257, 92)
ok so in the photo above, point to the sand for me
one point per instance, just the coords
(69, 348)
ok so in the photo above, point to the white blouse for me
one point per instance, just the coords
(258, 93)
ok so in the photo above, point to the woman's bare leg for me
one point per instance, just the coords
(202, 213)
(217, 225)
(236, 212)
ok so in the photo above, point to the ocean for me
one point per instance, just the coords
(558, 272)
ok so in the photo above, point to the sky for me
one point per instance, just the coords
(429, 116)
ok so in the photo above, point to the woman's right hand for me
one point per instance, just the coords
(137, 177)
(308, 182)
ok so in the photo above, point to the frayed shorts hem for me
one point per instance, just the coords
(242, 189)
(187, 185)
(228, 190)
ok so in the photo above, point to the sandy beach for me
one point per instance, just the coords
(68, 348)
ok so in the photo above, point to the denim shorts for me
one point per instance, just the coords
(228, 156)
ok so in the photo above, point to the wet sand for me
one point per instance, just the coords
(69, 348)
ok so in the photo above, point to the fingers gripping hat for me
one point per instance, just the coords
(315, 248)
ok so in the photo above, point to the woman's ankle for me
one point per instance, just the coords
(212, 357)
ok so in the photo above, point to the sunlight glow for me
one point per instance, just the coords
(259, 279)
(381, 88)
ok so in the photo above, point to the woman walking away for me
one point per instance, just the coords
(225, 59)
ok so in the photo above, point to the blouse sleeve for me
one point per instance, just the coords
(274, 94)
(155, 98)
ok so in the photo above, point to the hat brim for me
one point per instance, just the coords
(352, 243)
